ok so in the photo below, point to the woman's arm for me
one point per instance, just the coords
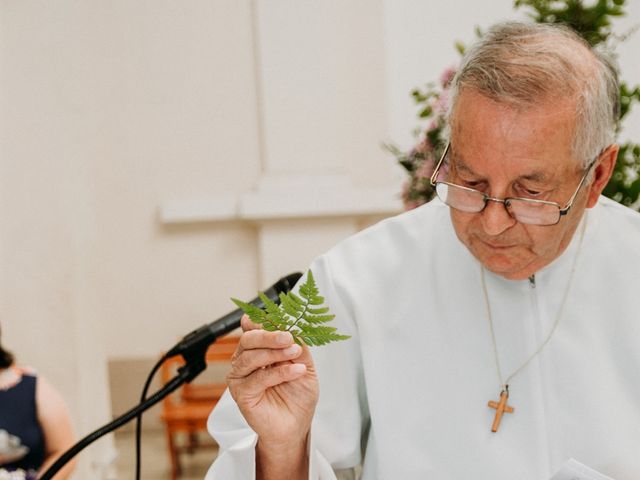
(54, 419)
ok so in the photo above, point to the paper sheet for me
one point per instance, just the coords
(574, 470)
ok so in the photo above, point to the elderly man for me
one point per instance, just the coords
(495, 332)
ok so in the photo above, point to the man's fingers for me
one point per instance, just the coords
(262, 379)
(259, 348)
(247, 324)
(250, 360)
(262, 339)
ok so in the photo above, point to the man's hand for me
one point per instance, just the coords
(274, 383)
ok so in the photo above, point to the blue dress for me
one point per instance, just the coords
(19, 417)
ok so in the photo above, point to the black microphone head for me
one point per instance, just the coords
(285, 284)
(207, 334)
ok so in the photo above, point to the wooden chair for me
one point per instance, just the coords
(186, 411)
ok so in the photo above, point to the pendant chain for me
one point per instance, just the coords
(504, 383)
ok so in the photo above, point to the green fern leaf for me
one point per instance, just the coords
(296, 298)
(308, 289)
(320, 335)
(317, 318)
(256, 314)
(270, 306)
(317, 300)
(270, 327)
(290, 306)
(302, 315)
(274, 315)
(317, 311)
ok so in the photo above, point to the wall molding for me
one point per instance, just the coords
(288, 197)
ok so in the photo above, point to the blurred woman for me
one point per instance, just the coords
(35, 428)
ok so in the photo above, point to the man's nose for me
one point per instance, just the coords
(496, 218)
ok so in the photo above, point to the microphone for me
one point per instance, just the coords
(207, 334)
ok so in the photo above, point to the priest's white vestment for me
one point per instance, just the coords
(408, 394)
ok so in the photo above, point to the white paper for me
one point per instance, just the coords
(11, 450)
(574, 470)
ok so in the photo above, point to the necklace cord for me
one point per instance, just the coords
(504, 384)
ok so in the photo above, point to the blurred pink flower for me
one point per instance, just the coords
(426, 169)
(420, 162)
(424, 147)
(441, 104)
(447, 76)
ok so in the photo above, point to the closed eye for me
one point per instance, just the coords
(475, 184)
(530, 192)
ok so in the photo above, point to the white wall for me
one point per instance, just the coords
(112, 108)
(115, 111)
(48, 140)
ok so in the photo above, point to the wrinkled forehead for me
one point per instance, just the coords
(547, 105)
(483, 127)
(479, 118)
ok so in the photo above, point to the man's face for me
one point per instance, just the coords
(505, 152)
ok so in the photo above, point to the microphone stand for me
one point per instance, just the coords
(193, 349)
(195, 364)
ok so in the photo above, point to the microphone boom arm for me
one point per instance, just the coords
(184, 373)
(193, 348)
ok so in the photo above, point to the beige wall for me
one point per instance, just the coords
(107, 108)
(266, 115)
(112, 108)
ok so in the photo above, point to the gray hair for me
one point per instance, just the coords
(522, 64)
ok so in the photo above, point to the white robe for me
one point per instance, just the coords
(407, 394)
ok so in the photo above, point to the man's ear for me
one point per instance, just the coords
(602, 173)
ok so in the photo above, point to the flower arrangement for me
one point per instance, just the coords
(593, 23)
(421, 160)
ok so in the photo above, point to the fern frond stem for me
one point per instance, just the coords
(306, 306)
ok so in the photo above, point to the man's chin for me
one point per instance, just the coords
(505, 265)
(510, 273)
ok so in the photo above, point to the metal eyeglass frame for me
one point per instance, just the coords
(505, 201)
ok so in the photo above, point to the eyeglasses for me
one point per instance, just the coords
(524, 210)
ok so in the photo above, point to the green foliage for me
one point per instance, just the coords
(593, 23)
(624, 186)
(627, 97)
(304, 315)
